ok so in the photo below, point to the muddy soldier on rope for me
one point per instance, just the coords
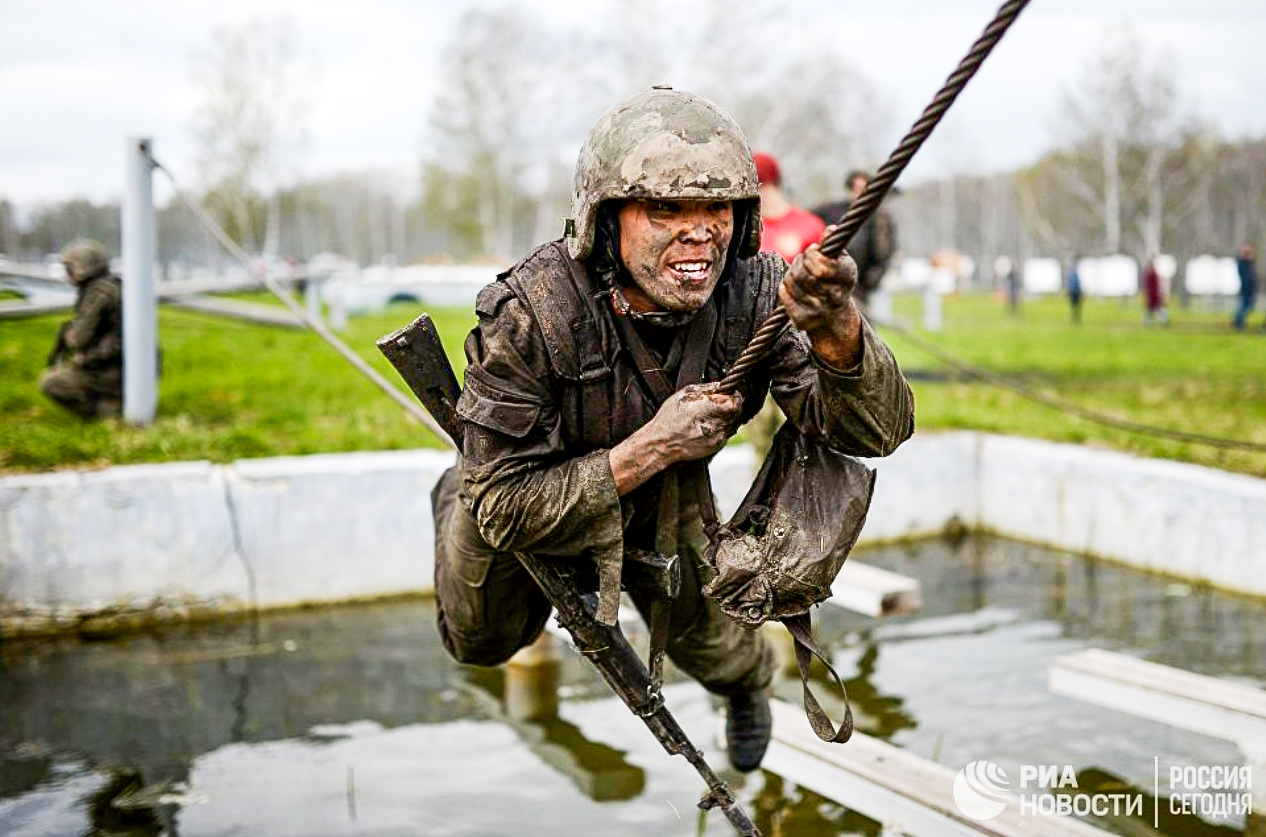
(587, 409)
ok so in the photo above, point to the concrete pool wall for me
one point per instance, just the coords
(336, 527)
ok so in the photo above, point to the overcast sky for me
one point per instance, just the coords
(79, 76)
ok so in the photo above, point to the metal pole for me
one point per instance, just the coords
(140, 308)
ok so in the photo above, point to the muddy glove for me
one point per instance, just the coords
(817, 290)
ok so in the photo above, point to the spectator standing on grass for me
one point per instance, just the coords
(786, 228)
(875, 242)
(85, 367)
(1074, 290)
(1010, 270)
(1153, 295)
(1247, 268)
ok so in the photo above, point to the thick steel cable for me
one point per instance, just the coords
(1065, 406)
(865, 205)
(302, 314)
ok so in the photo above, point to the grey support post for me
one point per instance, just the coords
(140, 308)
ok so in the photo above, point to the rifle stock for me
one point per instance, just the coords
(417, 354)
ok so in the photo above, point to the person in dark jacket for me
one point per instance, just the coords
(1073, 288)
(85, 367)
(1246, 265)
(590, 406)
(875, 242)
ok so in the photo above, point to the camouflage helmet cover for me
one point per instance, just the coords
(84, 259)
(663, 144)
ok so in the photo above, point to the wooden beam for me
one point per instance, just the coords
(237, 309)
(902, 791)
(872, 591)
(1196, 702)
(20, 310)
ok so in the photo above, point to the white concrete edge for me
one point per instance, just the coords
(334, 527)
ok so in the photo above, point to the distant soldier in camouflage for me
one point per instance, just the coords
(85, 368)
(590, 406)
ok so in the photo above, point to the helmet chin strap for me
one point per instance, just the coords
(658, 319)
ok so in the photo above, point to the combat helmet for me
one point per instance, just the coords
(666, 144)
(84, 259)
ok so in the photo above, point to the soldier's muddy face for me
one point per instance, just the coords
(674, 250)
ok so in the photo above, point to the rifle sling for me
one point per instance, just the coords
(807, 647)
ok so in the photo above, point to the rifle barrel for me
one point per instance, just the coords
(626, 674)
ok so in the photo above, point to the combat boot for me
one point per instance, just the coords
(747, 729)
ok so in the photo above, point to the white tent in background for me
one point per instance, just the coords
(1042, 276)
(1109, 276)
(915, 272)
(1210, 275)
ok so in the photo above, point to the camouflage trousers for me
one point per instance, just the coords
(90, 393)
(488, 607)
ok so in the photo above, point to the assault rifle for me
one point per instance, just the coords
(418, 355)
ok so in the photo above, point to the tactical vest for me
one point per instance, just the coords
(601, 399)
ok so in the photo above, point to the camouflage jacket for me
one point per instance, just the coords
(94, 336)
(549, 389)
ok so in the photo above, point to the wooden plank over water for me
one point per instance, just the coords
(1196, 702)
(874, 591)
(901, 790)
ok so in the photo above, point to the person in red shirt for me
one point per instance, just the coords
(786, 228)
(1153, 296)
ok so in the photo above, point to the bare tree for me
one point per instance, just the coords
(249, 124)
(1117, 128)
(812, 110)
(503, 131)
(53, 226)
(498, 175)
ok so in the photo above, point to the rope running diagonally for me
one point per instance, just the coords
(865, 205)
(299, 311)
(1064, 406)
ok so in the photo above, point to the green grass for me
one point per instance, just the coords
(229, 390)
(232, 390)
(1195, 375)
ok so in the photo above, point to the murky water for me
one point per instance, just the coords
(352, 721)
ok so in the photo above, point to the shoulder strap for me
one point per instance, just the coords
(694, 355)
(559, 294)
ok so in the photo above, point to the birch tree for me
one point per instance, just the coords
(249, 125)
(1116, 130)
